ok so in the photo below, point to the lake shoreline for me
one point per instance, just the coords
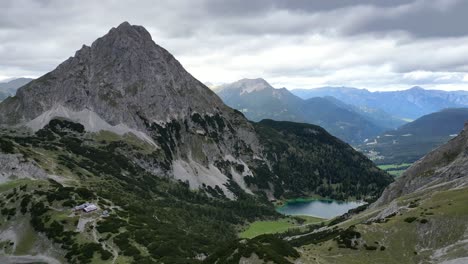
(316, 207)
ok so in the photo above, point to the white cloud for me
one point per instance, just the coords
(364, 61)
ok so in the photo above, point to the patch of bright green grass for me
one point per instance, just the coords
(277, 226)
(396, 170)
(394, 166)
(396, 173)
(26, 240)
(130, 138)
(105, 135)
(15, 183)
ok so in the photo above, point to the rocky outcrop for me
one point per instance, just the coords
(15, 166)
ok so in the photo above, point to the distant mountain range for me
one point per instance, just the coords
(258, 100)
(410, 104)
(10, 87)
(412, 141)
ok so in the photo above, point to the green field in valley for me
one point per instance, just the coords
(395, 169)
(278, 226)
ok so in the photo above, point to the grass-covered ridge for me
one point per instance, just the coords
(432, 221)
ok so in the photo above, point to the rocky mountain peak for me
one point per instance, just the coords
(126, 83)
(125, 36)
(246, 86)
(256, 84)
(123, 78)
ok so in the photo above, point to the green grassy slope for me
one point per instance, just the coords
(434, 221)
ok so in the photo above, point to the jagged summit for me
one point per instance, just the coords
(259, 83)
(245, 86)
(125, 36)
(123, 78)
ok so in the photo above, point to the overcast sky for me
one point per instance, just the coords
(374, 44)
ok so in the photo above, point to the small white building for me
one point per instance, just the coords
(81, 206)
(90, 208)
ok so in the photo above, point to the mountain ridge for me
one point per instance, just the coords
(411, 103)
(349, 123)
(413, 140)
(9, 88)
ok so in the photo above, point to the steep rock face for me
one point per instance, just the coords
(17, 167)
(444, 168)
(120, 77)
(126, 83)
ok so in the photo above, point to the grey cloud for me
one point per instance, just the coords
(423, 19)
(36, 35)
(248, 8)
(419, 18)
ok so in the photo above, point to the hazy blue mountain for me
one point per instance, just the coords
(258, 100)
(375, 115)
(412, 141)
(3, 95)
(412, 103)
(11, 86)
(340, 121)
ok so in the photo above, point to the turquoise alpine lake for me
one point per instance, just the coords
(318, 208)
